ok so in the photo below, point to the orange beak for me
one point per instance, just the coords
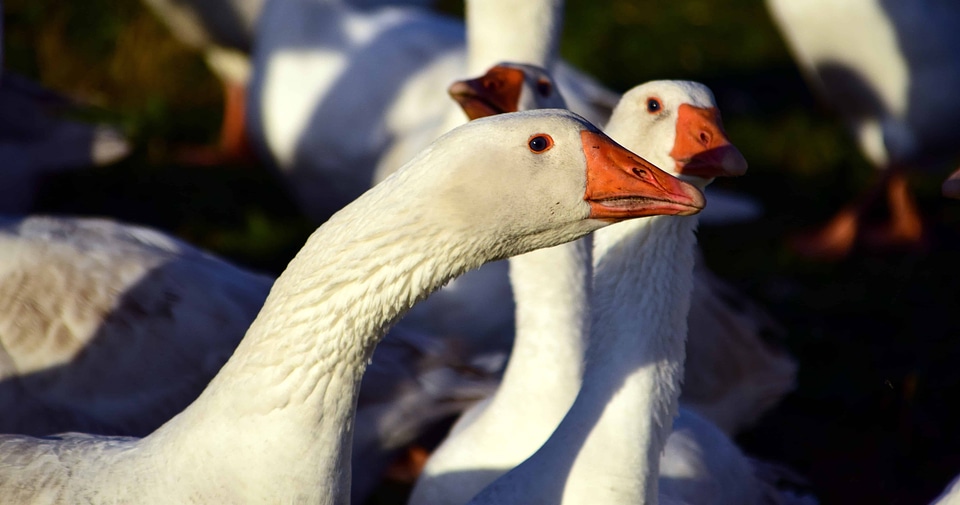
(622, 185)
(496, 92)
(701, 148)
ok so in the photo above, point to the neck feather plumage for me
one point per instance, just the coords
(607, 448)
(551, 288)
(643, 280)
(281, 409)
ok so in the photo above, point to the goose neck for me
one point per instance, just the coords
(551, 288)
(634, 364)
(506, 30)
(279, 415)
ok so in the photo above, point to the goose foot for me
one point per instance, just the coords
(905, 229)
(408, 466)
(234, 146)
(833, 241)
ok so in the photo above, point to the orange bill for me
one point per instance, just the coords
(622, 185)
(496, 92)
(701, 148)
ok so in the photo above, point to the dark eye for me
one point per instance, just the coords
(544, 88)
(540, 142)
(653, 105)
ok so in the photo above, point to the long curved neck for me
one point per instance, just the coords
(551, 288)
(279, 415)
(507, 30)
(607, 448)
(642, 286)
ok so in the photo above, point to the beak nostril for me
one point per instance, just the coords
(704, 138)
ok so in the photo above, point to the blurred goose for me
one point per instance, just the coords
(114, 329)
(224, 31)
(890, 69)
(323, 68)
(35, 144)
(276, 422)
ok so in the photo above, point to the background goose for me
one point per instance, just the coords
(275, 423)
(889, 69)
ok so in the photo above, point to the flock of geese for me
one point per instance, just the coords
(207, 383)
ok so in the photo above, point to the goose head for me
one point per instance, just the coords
(497, 173)
(677, 126)
(507, 87)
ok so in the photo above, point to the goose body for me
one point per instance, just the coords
(887, 68)
(275, 424)
(111, 328)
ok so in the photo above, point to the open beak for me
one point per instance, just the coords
(495, 92)
(701, 148)
(622, 185)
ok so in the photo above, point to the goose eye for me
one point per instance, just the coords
(540, 143)
(654, 106)
(544, 88)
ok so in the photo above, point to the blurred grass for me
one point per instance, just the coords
(872, 419)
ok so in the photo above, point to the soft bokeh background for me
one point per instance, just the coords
(875, 416)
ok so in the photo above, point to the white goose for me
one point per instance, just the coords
(114, 329)
(634, 360)
(224, 31)
(35, 144)
(544, 372)
(889, 68)
(325, 68)
(275, 424)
